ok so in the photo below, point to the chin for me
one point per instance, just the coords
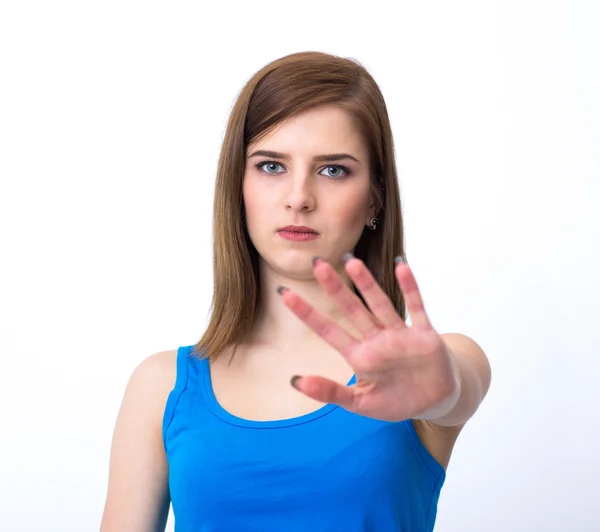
(293, 265)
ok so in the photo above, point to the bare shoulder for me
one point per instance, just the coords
(138, 495)
(157, 372)
(151, 382)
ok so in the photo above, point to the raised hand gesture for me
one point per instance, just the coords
(401, 372)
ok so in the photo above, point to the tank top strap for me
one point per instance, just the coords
(197, 366)
(189, 377)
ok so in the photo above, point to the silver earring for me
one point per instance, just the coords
(372, 225)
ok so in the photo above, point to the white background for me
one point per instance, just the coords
(111, 119)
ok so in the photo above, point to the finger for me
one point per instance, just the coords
(325, 390)
(377, 300)
(325, 327)
(346, 300)
(412, 295)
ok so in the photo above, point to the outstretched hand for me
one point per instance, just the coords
(401, 372)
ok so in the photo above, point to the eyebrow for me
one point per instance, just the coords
(328, 157)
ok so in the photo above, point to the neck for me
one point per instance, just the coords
(276, 325)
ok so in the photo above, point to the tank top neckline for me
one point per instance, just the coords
(217, 410)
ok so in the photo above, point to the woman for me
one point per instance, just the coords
(308, 403)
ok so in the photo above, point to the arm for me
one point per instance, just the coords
(138, 494)
(474, 376)
(439, 434)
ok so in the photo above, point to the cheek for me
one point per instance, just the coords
(253, 204)
(351, 211)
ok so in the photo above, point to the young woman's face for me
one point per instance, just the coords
(313, 171)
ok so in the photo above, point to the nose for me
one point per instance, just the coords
(300, 196)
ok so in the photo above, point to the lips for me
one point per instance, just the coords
(298, 229)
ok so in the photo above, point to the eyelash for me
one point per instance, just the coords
(346, 170)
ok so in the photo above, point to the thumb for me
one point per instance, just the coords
(325, 390)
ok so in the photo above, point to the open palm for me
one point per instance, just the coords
(401, 372)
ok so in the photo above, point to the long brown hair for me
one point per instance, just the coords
(283, 88)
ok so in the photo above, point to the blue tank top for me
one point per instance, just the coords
(329, 470)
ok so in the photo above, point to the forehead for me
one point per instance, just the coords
(321, 130)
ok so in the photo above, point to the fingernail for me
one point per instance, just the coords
(315, 259)
(399, 260)
(281, 289)
(294, 381)
(347, 257)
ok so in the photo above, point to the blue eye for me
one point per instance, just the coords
(334, 171)
(337, 171)
(270, 167)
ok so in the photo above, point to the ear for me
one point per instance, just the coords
(373, 210)
(370, 213)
